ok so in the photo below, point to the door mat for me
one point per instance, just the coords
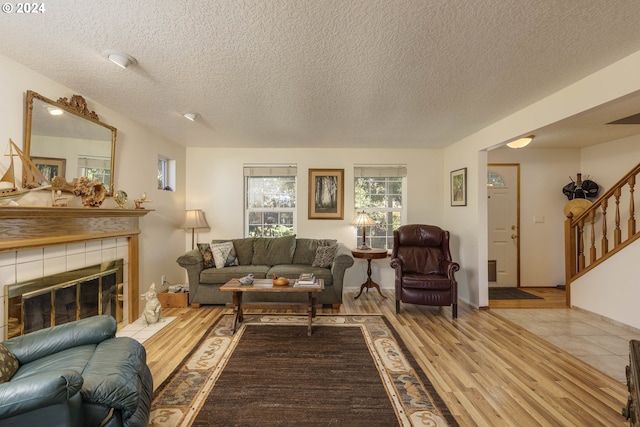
(510, 293)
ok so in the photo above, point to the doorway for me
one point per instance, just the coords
(503, 205)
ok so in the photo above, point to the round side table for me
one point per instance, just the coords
(369, 254)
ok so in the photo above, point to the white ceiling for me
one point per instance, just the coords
(328, 73)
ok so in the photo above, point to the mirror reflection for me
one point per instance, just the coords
(65, 139)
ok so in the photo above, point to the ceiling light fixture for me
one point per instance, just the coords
(55, 111)
(191, 116)
(521, 143)
(120, 59)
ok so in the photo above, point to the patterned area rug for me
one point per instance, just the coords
(353, 371)
(510, 293)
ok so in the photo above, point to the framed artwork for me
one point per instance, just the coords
(459, 187)
(50, 166)
(326, 193)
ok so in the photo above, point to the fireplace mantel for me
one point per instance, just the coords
(38, 227)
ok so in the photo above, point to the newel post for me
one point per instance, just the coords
(569, 256)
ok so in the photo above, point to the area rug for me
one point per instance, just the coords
(510, 293)
(352, 371)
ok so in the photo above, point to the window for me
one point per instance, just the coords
(166, 174)
(95, 167)
(379, 191)
(270, 207)
(495, 180)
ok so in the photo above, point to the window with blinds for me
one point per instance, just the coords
(270, 200)
(380, 191)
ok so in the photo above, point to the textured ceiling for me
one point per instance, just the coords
(330, 73)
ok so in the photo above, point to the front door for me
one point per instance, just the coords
(503, 182)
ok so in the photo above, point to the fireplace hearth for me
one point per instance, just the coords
(64, 297)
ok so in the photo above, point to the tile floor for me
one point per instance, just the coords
(138, 331)
(602, 343)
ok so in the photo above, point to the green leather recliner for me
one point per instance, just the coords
(77, 374)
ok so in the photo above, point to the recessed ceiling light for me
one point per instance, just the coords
(120, 59)
(521, 142)
(55, 111)
(191, 116)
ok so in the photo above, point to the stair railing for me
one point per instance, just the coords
(596, 224)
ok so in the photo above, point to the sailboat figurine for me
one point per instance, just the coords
(32, 174)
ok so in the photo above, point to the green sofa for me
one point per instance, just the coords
(263, 257)
(77, 374)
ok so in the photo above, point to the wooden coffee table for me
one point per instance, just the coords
(267, 286)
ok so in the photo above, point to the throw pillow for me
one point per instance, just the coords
(232, 258)
(8, 364)
(224, 254)
(306, 249)
(324, 256)
(207, 256)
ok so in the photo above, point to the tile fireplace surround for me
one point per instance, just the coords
(40, 241)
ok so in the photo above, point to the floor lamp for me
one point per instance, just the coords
(363, 220)
(194, 219)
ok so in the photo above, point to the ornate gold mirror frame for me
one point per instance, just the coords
(71, 144)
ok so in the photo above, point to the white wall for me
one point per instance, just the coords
(137, 150)
(543, 173)
(215, 185)
(596, 160)
(611, 289)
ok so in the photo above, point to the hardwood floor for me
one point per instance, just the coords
(488, 370)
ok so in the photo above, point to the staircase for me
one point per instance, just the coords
(599, 232)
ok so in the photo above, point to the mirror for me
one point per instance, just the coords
(72, 143)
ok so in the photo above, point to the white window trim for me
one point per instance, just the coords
(274, 170)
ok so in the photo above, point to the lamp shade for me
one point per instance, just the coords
(363, 220)
(195, 219)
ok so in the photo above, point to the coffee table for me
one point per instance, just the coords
(267, 286)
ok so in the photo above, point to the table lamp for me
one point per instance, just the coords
(194, 219)
(363, 220)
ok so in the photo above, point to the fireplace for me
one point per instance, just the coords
(64, 297)
(25, 228)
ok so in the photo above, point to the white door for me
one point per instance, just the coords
(503, 187)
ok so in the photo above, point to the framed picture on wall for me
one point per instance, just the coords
(326, 193)
(50, 167)
(459, 187)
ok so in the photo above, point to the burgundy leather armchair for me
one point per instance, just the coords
(424, 271)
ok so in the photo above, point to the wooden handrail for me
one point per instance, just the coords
(593, 222)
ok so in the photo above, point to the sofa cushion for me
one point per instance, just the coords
(279, 250)
(207, 255)
(306, 249)
(224, 254)
(244, 250)
(71, 359)
(8, 364)
(325, 256)
(41, 343)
